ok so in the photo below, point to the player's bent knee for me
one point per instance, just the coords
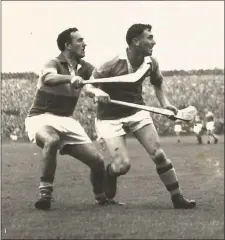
(121, 168)
(124, 168)
(160, 157)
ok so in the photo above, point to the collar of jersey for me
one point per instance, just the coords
(123, 55)
(63, 59)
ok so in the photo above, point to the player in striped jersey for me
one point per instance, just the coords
(49, 123)
(113, 121)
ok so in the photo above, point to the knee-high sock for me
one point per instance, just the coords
(168, 176)
(97, 181)
(46, 188)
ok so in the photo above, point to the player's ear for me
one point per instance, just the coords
(135, 41)
(67, 45)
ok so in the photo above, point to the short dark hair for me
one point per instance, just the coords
(64, 37)
(136, 30)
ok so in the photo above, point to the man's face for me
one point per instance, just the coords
(145, 43)
(77, 44)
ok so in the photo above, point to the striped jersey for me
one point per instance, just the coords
(61, 99)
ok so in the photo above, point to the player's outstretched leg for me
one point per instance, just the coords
(48, 139)
(89, 155)
(120, 165)
(149, 138)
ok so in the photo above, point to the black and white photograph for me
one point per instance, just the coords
(112, 120)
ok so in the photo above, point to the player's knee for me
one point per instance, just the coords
(159, 156)
(121, 167)
(124, 168)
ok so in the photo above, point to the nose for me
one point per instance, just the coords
(153, 42)
(84, 44)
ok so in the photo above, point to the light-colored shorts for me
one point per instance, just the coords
(115, 128)
(197, 128)
(210, 126)
(71, 132)
(177, 128)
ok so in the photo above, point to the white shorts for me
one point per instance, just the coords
(71, 132)
(177, 128)
(115, 128)
(210, 126)
(197, 128)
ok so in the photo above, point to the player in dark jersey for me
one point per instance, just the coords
(49, 123)
(113, 121)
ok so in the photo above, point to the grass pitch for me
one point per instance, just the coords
(148, 213)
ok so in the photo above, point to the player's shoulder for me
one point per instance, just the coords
(52, 61)
(109, 63)
(155, 63)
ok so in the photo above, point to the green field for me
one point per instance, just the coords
(148, 213)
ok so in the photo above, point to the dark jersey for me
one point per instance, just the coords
(128, 92)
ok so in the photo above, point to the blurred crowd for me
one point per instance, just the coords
(202, 91)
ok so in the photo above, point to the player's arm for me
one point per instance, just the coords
(50, 76)
(94, 91)
(159, 87)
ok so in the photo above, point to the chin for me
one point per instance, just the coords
(81, 55)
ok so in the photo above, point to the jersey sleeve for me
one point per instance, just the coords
(49, 67)
(156, 77)
(105, 69)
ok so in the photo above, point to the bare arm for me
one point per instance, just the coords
(159, 87)
(54, 79)
(94, 91)
(50, 76)
(91, 91)
(161, 96)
